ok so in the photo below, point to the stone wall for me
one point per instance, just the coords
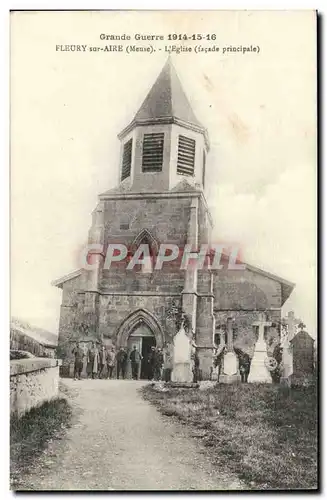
(32, 382)
(115, 308)
(166, 218)
(245, 289)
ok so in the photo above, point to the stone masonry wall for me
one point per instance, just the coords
(238, 289)
(32, 382)
(115, 308)
(166, 218)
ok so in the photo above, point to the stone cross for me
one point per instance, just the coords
(291, 323)
(258, 371)
(230, 335)
(287, 354)
(262, 323)
(230, 362)
(222, 337)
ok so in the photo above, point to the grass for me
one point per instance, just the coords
(30, 434)
(266, 434)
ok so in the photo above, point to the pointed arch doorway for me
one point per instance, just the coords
(140, 328)
(143, 338)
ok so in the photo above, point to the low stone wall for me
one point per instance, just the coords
(32, 382)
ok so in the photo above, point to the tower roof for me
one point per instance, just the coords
(166, 102)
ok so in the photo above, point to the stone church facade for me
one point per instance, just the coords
(160, 199)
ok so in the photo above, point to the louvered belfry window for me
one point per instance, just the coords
(186, 155)
(152, 155)
(127, 160)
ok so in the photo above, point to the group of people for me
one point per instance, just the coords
(100, 362)
(160, 363)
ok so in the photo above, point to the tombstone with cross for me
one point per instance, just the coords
(260, 364)
(230, 372)
(290, 324)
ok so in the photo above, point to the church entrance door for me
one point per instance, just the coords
(143, 338)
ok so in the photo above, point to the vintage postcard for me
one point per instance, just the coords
(163, 249)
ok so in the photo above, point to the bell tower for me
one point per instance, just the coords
(158, 200)
(164, 143)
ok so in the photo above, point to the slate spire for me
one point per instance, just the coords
(166, 102)
(167, 99)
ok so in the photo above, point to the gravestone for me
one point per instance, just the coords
(230, 371)
(258, 370)
(291, 323)
(182, 365)
(303, 357)
(287, 358)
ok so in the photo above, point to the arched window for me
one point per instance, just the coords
(145, 238)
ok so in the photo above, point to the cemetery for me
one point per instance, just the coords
(255, 429)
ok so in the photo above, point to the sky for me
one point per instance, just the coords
(68, 107)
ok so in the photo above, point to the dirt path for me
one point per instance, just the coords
(120, 442)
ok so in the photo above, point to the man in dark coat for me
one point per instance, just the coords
(78, 363)
(151, 360)
(245, 364)
(121, 362)
(136, 359)
(196, 366)
(158, 362)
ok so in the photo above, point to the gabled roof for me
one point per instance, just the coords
(286, 286)
(166, 103)
(60, 281)
(43, 337)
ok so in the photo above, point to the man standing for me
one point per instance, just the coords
(102, 360)
(111, 358)
(244, 366)
(196, 365)
(158, 362)
(151, 360)
(136, 359)
(78, 363)
(121, 362)
(92, 361)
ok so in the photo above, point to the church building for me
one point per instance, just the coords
(160, 198)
